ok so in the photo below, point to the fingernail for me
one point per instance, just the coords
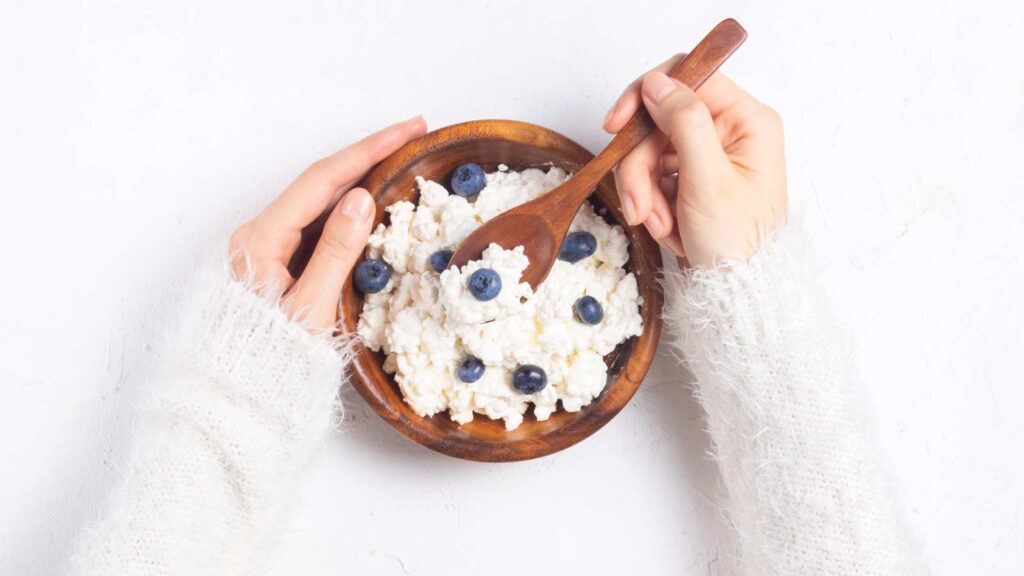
(357, 205)
(674, 245)
(628, 209)
(404, 123)
(654, 225)
(657, 86)
(611, 113)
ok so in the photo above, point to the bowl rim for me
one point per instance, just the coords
(593, 416)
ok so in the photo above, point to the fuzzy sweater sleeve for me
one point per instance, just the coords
(245, 399)
(806, 493)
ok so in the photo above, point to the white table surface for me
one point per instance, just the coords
(134, 134)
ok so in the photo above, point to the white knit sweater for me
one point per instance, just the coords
(805, 489)
(248, 397)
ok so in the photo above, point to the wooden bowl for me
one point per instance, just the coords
(518, 145)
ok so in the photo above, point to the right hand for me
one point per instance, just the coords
(710, 182)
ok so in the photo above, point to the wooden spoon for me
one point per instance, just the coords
(540, 225)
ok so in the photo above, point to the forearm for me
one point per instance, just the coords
(806, 491)
(245, 398)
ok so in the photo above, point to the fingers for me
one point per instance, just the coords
(268, 273)
(646, 194)
(680, 114)
(662, 216)
(720, 94)
(724, 140)
(315, 295)
(323, 183)
(630, 101)
(636, 178)
(662, 223)
(673, 242)
(669, 163)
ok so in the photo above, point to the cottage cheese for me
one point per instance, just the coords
(427, 322)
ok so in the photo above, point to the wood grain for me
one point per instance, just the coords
(518, 145)
(541, 224)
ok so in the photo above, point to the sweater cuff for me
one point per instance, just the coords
(753, 305)
(246, 347)
(805, 488)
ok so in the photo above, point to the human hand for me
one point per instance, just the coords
(262, 248)
(710, 182)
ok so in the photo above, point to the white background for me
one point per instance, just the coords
(134, 134)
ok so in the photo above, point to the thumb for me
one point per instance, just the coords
(680, 113)
(315, 294)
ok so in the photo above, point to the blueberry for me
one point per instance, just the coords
(588, 310)
(484, 284)
(372, 276)
(468, 180)
(529, 379)
(577, 246)
(439, 260)
(471, 369)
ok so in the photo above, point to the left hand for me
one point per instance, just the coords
(262, 247)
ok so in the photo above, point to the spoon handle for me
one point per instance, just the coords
(692, 70)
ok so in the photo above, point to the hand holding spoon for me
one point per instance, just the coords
(541, 224)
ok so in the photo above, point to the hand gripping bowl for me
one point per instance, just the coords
(520, 146)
